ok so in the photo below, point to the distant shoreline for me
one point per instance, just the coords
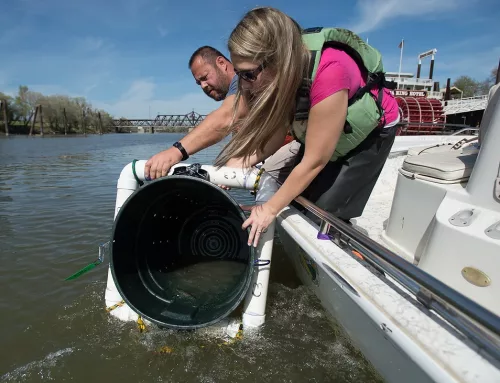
(13, 132)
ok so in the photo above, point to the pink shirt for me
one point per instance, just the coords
(337, 71)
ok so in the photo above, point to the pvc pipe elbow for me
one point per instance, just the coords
(127, 179)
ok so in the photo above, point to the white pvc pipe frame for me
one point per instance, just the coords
(254, 310)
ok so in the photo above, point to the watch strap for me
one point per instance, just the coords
(179, 146)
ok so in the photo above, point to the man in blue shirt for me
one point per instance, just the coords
(215, 74)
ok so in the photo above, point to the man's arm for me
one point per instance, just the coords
(211, 130)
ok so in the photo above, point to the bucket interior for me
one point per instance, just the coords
(179, 256)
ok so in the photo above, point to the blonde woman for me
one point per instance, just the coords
(271, 59)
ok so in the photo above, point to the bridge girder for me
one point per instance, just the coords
(189, 120)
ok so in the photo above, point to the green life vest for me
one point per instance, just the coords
(364, 112)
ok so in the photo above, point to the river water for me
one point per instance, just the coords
(57, 197)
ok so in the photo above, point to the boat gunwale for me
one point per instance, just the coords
(479, 324)
(435, 337)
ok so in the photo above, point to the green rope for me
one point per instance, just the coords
(135, 174)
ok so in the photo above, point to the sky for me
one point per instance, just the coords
(130, 57)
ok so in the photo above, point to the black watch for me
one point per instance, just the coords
(179, 146)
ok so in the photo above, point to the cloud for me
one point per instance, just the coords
(140, 99)
(408, 65)
(477, 65)
(374, 13)
(89, 88)
(162, 31)
(51, 89)
(91, 44)
(11, 36)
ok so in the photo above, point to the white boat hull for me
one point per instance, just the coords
(404, 341)
(397, 335)
(368, 332)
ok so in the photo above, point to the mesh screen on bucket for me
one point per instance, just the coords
(180, 257)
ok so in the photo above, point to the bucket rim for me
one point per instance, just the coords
(249, 274)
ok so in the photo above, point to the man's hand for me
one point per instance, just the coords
(159, 165)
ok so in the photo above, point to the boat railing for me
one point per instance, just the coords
(463, 105)
(411, 81)
(466, 100)
(469, 129)
(434, 128)
(476, 322)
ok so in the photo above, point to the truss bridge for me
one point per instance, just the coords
(162, 122)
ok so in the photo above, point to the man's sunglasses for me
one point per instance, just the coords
(251, 74)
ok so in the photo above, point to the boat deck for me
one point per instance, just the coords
(377, 211)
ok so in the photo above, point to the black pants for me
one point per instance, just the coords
(343, 187)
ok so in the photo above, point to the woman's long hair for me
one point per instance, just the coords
(268, 36)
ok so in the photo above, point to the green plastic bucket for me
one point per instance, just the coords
(179, 256)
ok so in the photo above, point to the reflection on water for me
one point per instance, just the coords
(56, 206)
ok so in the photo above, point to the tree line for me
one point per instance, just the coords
(471, 87)
(60, 113)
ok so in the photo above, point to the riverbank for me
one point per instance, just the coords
(21, 130)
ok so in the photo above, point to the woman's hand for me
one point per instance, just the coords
(260, 219)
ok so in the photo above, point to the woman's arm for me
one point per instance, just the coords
(270, 148)
(326, 123)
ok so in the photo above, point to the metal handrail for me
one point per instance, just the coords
(464, 130)
(462, 100)
(439, 124)
(435, 127)
(457, 309)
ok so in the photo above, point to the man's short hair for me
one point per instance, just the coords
(207, 53)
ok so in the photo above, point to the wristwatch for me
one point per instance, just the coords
(179, 146)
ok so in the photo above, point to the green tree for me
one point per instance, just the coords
(11, 112)
(57, 110)
(493, 76)
(484, 87)
(467, 85)
(21, 101)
